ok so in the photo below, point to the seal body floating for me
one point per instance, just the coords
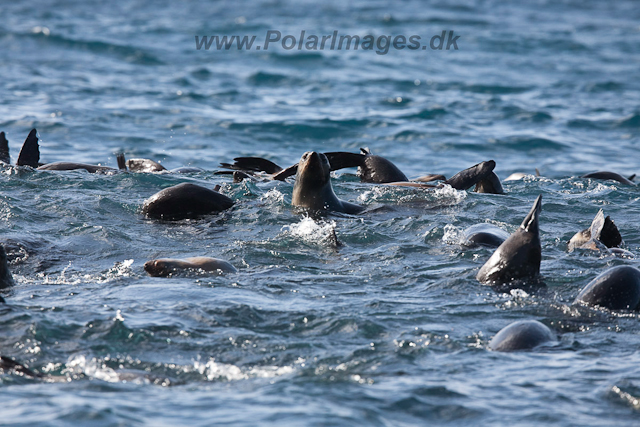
(139, 165)
(164, 267)
(484, 235)
(312, 189)
(518, 258)
(609, 175)
(618, 288)
(491, 184)
(469, 177)
(69, 166)
(520, 175)
(522, 335)
(6, 279)
(183, 201)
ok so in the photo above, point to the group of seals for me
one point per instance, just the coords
(515, 262)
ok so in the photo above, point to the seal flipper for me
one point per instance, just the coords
(467, 178)
(632, 177)
(7, 363)
(30, 152)
(122, 164)
(530, 223)
(342, 159)
(256, 164)
(4, 149)
(286, 173)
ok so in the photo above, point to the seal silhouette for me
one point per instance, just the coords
(518, 258)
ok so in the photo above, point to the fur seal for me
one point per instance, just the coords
(463, 180)
(312, 189)
(138, 165)
(183, 201)
(522, 335)
(484, 235)
(618, 288)
(518, 258)
(602, 230)
(490, 185)
(6, 279)
(520, 175)
(371, 168)
(70, 166)
(165, 267)
(4, 149)
(610, 176)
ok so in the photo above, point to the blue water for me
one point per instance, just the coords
(390, 329)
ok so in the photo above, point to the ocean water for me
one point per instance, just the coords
(389, 329)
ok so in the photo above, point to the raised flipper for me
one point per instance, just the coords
(30, 152)
(256, 164)
(4, 149)
(342, 159)
(122, 164)
(632, 177)
(286, 173)
(469, 177)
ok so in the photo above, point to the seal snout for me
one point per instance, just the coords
(155, 268)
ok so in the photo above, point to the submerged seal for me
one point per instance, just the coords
(618, 288)
(312, 189)
(69, 166)
(164, 267)
(518, 258)
(522, 335)
(139, 165)
(183, 201)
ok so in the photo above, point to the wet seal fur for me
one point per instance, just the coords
(312, 189)
(518, 258)
(522, 335)
(165, 267)
(618, 288)
(184, 201)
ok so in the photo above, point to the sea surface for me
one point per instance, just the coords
(391, 328)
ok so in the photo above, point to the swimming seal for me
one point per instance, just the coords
(484, 235)
(164, 267)
(518, 258)
(610, 176)
(516, 176)
(183, 201)
(602, 230)
(138, 165)
(490, 184)
(312, 189)
(70, 166)
(521, 335)
(618, 288)
(6, 279)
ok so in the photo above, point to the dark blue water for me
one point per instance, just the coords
(390, 329)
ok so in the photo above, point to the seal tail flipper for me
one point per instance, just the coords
(257, 164)
(365, 151)
(538, 172)
(469, 177)
(530, 223)
(610, 236)
(340, 160)
(597, 225)
(122, 164)
(286, 173)
(4, 149)
(632, 177)
(30, 152)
